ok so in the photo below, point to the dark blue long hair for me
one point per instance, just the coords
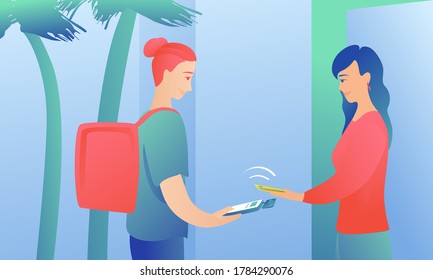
(368, 61)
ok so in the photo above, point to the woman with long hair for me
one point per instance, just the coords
(360, 158)
(164, 209)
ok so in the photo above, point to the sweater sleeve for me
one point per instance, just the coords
(365, 148)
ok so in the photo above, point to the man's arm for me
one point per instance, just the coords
(178, 200)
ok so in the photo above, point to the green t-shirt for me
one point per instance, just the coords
(163, 154)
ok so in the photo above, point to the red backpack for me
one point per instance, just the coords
(107, 162)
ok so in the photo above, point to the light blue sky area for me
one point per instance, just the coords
(80, 67)
(253, 107)
(22, 146)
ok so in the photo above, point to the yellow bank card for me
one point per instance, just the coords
(268, 188)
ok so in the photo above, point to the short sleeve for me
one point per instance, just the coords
(165, 148)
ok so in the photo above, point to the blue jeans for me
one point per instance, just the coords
(170, 249)
(370, 246)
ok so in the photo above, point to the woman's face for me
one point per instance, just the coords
(179, 80)
(353, 85)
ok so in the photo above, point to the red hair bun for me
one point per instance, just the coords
(153, 45)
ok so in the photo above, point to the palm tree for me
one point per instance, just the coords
(166, 12)
(44, 19)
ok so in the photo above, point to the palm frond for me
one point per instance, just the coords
(57, 28)
(69, 7)
(166, 12)
(44, 18)
(105, 10)
(6, 17)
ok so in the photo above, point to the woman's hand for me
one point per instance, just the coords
(288, 194)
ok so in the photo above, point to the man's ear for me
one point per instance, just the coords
(166, 74)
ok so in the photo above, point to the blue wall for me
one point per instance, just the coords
(402, 36)
(253, 107)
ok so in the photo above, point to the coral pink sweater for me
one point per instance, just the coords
(360, 159)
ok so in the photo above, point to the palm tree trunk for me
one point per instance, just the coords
(108, 112)
(53, 153)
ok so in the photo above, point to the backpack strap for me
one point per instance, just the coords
(151, 112)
